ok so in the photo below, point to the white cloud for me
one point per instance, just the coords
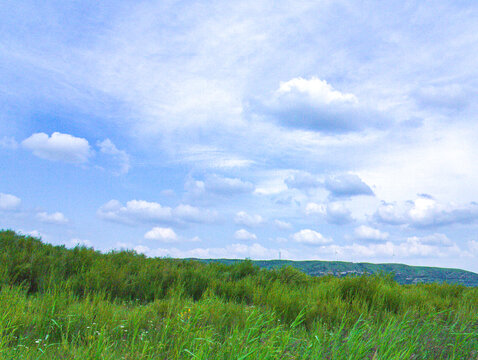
(318, 91)
(54, 218)
(338, 213)
(364, 232)
(166, 235)
(270, 186)
(347, 185)
(310, 237)
(107, 147)
(432, 240)
(426, 247)
(141, 211)
(334, 212)
(135, 211)
(233, 251)
(314, 208)
(212, 157)
(315, 105)
(195, 188)
(283, 225)
(9, 202)
(243, 218)
(227, 186)
(425, 212)
(302, 180)
(389, 213)
(245, 235)
(58, 147)
(412, 248)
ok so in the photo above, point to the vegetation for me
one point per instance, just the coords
(60, 303)
(403, 274)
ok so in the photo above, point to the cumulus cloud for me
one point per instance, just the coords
(313, 104)
(334, 212)
(310, 237)
(166, 235)
(243, 218)
(317, 90)
(364, 232)
(135, 211)
(141, 211)
(347, 185)
(9, 202)
(426, 212)
(120, 156)
(314, 208)
(244, 235)
(54, 218)
(58, 147)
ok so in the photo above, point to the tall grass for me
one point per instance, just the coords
(79, 304)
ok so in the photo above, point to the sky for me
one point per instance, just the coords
(305, 130)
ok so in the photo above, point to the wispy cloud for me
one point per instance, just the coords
(107, 147)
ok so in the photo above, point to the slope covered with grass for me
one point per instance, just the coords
(403, 274)
(59, 303)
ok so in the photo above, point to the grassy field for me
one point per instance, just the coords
(59, 303)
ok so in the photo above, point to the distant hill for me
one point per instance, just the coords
(404, 274)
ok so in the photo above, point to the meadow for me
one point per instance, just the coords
(59, 303)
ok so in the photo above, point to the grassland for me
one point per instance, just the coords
(59, 303)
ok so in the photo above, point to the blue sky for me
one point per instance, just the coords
(331, 130)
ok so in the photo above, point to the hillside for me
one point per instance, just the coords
(403, 274)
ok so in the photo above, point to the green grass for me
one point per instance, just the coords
(79, 304)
